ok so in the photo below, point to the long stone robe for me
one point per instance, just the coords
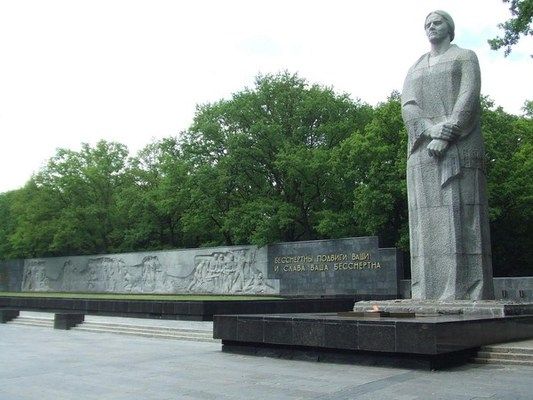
(448, 211)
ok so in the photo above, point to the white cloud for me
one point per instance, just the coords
(131, 71)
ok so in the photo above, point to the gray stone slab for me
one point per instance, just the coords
(317, 268)
(220, 270)
(334, 267)
(11, 275)
(512, 289)
(488, 308)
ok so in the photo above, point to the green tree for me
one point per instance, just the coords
(370, 165)
(509, 145)
(8, 201)
(69, 207)
(151, 202)
(519, 24)
(528, 109)
(35, 211)
(260, 160)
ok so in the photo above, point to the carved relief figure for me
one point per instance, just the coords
(448, 219)
(104, 274)
(237, 284)
(152, 274)
(133, 278)
(227, 272)
(35, 277)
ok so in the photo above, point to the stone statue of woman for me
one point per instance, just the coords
(448, 211)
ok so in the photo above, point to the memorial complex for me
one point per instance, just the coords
(336, 299)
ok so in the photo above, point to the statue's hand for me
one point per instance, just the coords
(437, 147)
(435, 132)
(450, 132)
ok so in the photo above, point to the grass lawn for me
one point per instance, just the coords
(124, 296)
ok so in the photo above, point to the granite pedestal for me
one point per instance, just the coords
(7, 315)
(420, 342)
(66, 321)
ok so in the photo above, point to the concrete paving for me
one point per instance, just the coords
(46, 364)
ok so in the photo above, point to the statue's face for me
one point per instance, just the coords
(436, 28)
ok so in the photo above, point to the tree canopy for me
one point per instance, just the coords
(284, 160)
(516, 26)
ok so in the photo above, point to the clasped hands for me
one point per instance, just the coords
(442, 135)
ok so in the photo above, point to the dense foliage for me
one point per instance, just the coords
(282, 161)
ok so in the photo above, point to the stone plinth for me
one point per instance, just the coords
(7, 315)
(418, 342)
(66, 321)
(480, 308)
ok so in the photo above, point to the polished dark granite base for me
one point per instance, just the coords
(369, 358)
(66, 321)
(185, 310)
(7, 315)
(432, 340)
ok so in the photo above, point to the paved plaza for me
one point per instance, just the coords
(45, 364)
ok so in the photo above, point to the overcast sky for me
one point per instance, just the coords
(131, 71)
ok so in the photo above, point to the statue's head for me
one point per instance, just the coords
(438, 25)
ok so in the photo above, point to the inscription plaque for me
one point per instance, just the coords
(333, 267)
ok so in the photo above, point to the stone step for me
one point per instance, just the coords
(501, 349)
(480, 360)
(513, 353)
(177, 334)
(199, 335)
(110, 325)
(25, 318)
(169, 332)
(33, 321)
(505, 356)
